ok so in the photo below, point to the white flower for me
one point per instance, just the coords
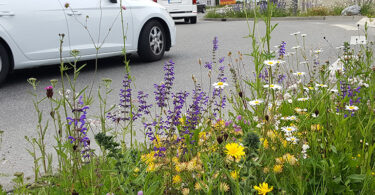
(280, 61)
(299, 74)
(302, 99)
(351, 108)
(295, 33)
(314, 115)
(334, 90)
(288, 129)
(292, 139)
(287, 95)
(305, 147)
(255, 118)
(220, 85)
(271, 62)
(255, 102)
(294, 86)
(292, 118)
(303, 35)
(296, 47)
(273, 86)
(290, 101)
(321, 85)
(318, 51)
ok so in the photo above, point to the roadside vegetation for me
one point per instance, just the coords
(296, 125)
(281, 9)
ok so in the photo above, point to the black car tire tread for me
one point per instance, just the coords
(5, 68)
(144, 50)
(193, 20)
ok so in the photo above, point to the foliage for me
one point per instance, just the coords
(286, 131)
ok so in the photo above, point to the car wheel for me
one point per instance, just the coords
(193, 20)
(187, 20)
(4, 63)
(152, 41)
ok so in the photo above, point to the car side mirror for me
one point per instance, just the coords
(113, 1)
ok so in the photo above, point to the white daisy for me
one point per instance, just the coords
(292, 139)
(302, 99)
(321, 85)
(270, 62)
(296, 47)
(303, 35)
(334, 90)
(255, 102)
(288, 129)
(318, 51)
(295, 33)
(351, 108)
(290, 101)
(220, 85)
(292, 118)
(299, 74)
(280, 61)
(273, 86)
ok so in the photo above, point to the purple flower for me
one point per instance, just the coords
(282, 50)
(221, 60)
(215, 44)
(208, 65)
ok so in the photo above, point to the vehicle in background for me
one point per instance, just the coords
(201, 8)
(181, 9)
(29, 32)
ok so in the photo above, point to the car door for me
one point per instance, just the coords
(34, 26)
(97, 23)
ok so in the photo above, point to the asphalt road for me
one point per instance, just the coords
(194, 41)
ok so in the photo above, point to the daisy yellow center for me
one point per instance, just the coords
(351, 107)
(300, 73)
(220, 83)
(272, 85)
(256, 102)
(289, 129)
(293, 139)
(270, 63)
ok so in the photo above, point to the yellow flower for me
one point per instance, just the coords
(285, 143)
(185, 191)
(220, 124)
(290, 159)
(175, 160)
(202, 135)
(359, 155)
(177, 179)
(148, 158)
(157, 142)
(373, 173)
(234, 175)
(182, 121)
(271, 134)
(136, 170)
(265, 143)
(263, 188)
(190, 166)
(151, 167)
(235, 150)
(278, 168)
(224, 187)
(316, 127)
(279, 160)
(197, 186)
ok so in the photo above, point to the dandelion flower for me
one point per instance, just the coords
(224, 187)
(290, 159)
(351, 108)
(265, 144)
(273, 86)
(278, 168)
(220, 85)
(197, 186)
(263, 188)
(255, 102)
(299, 74)
(234, 175)
(235, 150)
(177, 179)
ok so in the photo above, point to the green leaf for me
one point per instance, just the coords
(333, 148)
(340, 189)
(356, 178)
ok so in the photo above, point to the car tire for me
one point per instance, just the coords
(187, 20)
(193, 20)
(4, 63)
(152, 41)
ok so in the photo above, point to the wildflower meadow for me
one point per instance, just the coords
(296, 125)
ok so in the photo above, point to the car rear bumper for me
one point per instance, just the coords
(184, 14)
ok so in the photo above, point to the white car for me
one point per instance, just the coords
(181, 9)
(30, 29)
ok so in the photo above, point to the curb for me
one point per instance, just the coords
(291, 18)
